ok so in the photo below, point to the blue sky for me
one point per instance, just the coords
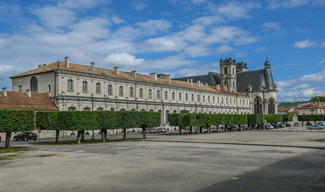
(170, 36)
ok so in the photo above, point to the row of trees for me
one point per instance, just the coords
(311, 118)
(190, 120)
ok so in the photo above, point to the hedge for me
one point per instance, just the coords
(311, 118)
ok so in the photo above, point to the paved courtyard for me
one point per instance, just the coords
(174, 163)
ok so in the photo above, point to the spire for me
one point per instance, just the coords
(267, 64)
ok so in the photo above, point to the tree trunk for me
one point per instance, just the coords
(144, 134)
(217, 128)
(180, 130)
(93, 136)
(57, 134)
(225, 128)
(124, 134)
(191, 129)
(79, 137)
(201, 129)
(83, 135)
(8, 137)
(103, 134)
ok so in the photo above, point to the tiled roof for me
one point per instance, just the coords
(311, 107)
(19, 100)
(283, 109)
(122, 75)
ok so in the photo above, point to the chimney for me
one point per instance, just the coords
(198, 82)
(29, 93)
(134, 73)
(188, 81)
(218, 87)
(4, 91)
(191, 82)
(206, 84)
(117, 70)
(66, 61)
(92, 66)
(39, 66)
(169, 79)
(153, 76)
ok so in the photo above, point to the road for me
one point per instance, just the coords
(173, 163)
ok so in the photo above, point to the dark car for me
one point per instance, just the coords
(288, 125)
(25, 136)
(296, 124)
(151, 130)
(161, 130)
(282, 125)
(269, 127)
(276, 126)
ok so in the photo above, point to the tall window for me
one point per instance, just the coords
(33, 84)
(166, 95)
(131, 91)
(218, 100)
(97, 87)
(213, 99)
(258, 105)
(20, 88)
(198, 98)
(271, 106)
(84, 86)
(70, 85)
(186, 97)
(192, 97)
(121, 91)
(203, 98)
(180, 97)
(158, 94)
(208, 99)
(149, 94)
(110, 90)
(141, 93)
(173, 96)
(49, 88)
(226, 70)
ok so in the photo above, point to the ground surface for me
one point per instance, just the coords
(255, 161)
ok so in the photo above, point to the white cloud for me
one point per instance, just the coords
(197, 2)
(234, 10)
(123, 59)
(304, 44)
(197, 50)
(139, 5)
(323, 44)
(322, 62)
(274, 4)
(154, 26)
(272, 26)
(209, 20)
(224, 49)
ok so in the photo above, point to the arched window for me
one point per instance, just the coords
(109, 90)
(271, 106)
(173, 96)
(141, 93)
(186, 97)
(198, 98)
(180, 97)
(131, 91)
(226, 84)
(33, 84)
(225, 70)
(121, 91)
(97, 87)
(208, 99)
(70, 85)
(213, 99)
(203, 98)
(166, 95)
(158, 94)
(258, 105)
(72, 109)
(86, 109)
(100, 109)
(149, 94)
(192, 97)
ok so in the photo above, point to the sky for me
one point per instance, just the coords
(178, 37)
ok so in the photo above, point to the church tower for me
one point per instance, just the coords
(228, 74)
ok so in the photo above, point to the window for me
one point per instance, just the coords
(213, 99)
(192, 97)
(70, 85)
(225, 70)
(186, 97)
(141, 93)
(271, 106)
(84, 86)
(203, 98)
(97, 87)
(109, 90)
(158, 94)
(166, 95)
(208, 99)
(218, 100)
(33, 84)
(198, 98)
(173, 96)
(100, 109)
(131, 91)
(258, 105)
(180, 97)
(121, 91)
(86, 109)
(230, 101)
(49, 88)
(149, 94)
(72, 109)
(20, 88)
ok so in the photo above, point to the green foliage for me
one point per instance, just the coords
(147, 119)
(273, 118)
(173, 119)
(318, 99)
(287, 117)
(254, 119)
(290, 104)
(16, 120)
(311, 117)
(240, 119)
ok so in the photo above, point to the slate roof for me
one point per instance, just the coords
(255, 78)
(122, 75)
(20, 100)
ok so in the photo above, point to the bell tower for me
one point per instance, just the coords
(228, 74)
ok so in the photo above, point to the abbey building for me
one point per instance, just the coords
(80, 87)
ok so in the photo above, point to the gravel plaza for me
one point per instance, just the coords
(232, 161)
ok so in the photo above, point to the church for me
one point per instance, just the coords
(234, 90)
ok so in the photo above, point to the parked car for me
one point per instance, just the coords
(25, 136)
(282, 125)
(161, 130)
(234, 128)
(0, 138)
(318, 126)
(288, 125)
(269, 127)
(276, 126)
(320, 123)
(151, 130)
(296, 124)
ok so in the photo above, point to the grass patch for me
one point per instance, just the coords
(83, 142)
(12, 150)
